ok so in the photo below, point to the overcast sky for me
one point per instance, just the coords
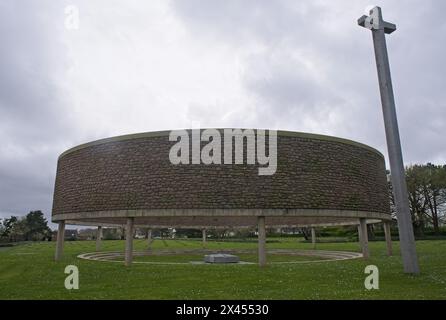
(135, 66)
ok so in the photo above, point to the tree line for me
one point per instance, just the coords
(32, 227)
(426, 187)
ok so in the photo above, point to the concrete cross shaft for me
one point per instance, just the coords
(379, 28)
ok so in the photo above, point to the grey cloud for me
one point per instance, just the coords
(288, 91)
(33, 115)
(327, 32)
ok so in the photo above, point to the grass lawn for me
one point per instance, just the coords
(28, 272)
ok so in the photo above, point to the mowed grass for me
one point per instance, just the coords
(29, 272)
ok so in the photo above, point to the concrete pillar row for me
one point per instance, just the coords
(98, 238)
(313, 237)
(262, 240)
(388, 236)
(363, 238)
(129, 241)
(60, 240)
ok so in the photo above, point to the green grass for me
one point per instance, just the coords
(28, 271)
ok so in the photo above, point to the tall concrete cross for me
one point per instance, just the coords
(379, 28)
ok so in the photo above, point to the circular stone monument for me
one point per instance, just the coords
(149, 180)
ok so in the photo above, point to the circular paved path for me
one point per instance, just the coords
(324, 255)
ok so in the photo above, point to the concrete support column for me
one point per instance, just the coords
(129, 241)
(388, 236)
(204, 237)
(98, 238)
(363, 238)
(313, 237)
(149, 238)
(60, 240)
(262, 240)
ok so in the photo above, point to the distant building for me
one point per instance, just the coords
(70, 235)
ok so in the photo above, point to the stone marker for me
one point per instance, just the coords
(221, 258)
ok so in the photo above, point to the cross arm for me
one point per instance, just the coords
(376, 22)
